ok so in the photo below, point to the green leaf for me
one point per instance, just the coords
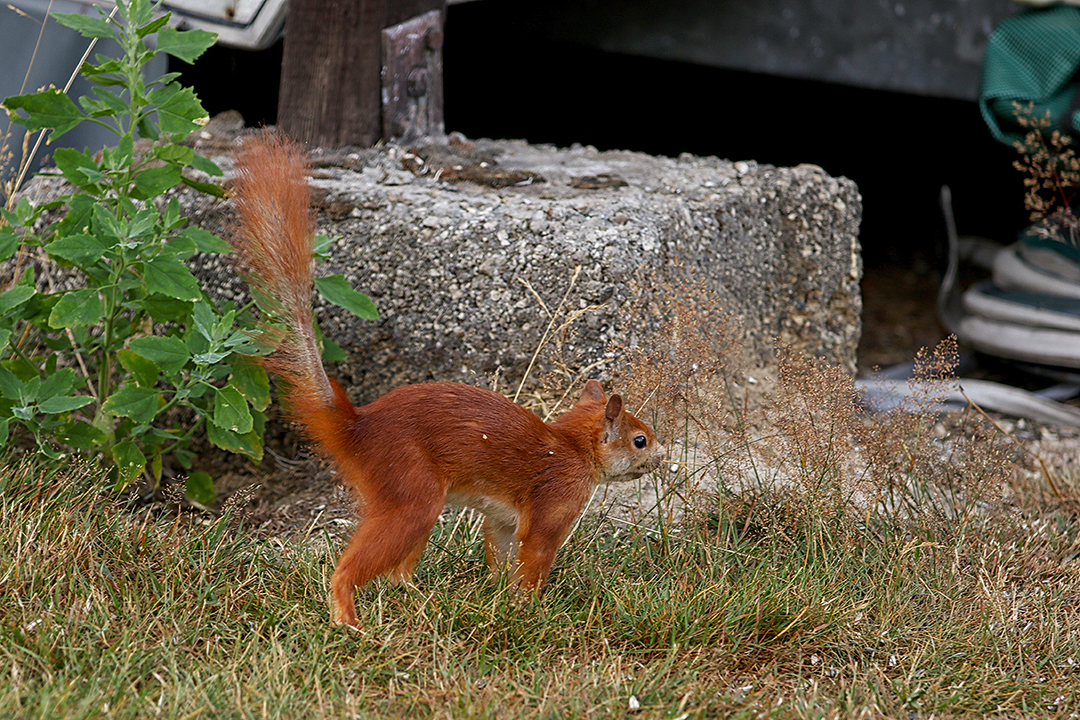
(10, 385)
(185, 44)
(249, 377)
(15, 297)
(241, 342)
(87, 26)
(120, 156)
(170, 216)
(79, 249)
(153, 26)
(106, 225)
(78, 307)
(81, 435)
(166, 309)
(231, 411)
(74, 164)
(205, 319)
(27, 373)
(199, 486)
(50, 108)
(81, 207)
(322, 244)
(205, 187)
(64, 403)
(144, 371)
(9, 242)
(168, 353)
(331, 351)
(171, 277)
(206, 165)
(138, 403)
(106, 72)
(154, 181)
(45, 447)
(57, 382)
(25, 212)
(181, 154)
(137, 12)
(129, 460)
(167, 78)
(147, 128)
(336, 289)
(181, 247)
(210, 358)
(107, 104)
(249, 444)
(143, 222)
(178, 109)
(205, 240)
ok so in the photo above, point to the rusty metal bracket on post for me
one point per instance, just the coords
(412, 83)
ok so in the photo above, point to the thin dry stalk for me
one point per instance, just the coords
(552, 319)
(1050, 476)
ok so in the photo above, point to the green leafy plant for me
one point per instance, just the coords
(109, 363)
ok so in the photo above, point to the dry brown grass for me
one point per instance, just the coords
(798, 439)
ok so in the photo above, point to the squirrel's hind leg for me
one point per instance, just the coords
(388, 541)
(404, 569)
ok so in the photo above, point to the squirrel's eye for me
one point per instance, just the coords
(640, 441)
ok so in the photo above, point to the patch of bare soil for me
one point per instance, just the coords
(899, 315)
(291, 493)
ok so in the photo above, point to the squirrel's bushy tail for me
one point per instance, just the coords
(274, 241)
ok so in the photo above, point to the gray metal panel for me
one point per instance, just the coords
(56, 58)
(927, 47)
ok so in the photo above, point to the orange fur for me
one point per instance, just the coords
(419, 447)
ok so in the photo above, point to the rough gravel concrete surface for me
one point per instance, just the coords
(450, 261)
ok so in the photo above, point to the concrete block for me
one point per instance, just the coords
(448, 241)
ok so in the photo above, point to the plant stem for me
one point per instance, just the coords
(181, 440)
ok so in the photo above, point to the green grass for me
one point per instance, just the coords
(104, 612)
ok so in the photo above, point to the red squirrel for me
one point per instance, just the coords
(419, 447)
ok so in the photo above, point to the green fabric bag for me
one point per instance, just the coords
(1032, 57)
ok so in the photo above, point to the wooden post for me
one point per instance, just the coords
(332, 67)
